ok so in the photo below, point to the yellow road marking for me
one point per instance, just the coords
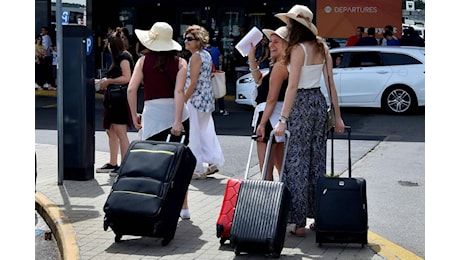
(388, 249)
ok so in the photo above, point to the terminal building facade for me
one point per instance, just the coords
(224, 19)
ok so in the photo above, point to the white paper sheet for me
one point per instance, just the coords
(244, 45)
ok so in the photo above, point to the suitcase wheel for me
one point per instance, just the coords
(106, 224)
(275, 254)
(222, 240)
(165, 241)
(237, 251)
(219, 230)
(117, 238)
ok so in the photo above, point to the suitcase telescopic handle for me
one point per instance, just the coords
(253, 140)
(182, 138)
(348, 129)
(287, 134)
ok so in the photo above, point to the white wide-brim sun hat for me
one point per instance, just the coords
(301, 14)
(158, 38)
(282, 32)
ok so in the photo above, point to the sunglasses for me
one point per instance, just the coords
(189, 38)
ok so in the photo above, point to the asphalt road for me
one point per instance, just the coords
(367, 123)
(45, 244)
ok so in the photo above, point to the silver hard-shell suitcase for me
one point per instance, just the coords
(260, 219)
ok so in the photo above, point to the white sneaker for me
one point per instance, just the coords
(45, 86)
(185, 214)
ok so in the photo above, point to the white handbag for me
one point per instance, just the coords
(218, 83)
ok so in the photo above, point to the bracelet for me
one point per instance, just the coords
(284, 117)
(254, 70)
(250, 61)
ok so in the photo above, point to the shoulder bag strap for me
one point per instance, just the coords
(328, 80)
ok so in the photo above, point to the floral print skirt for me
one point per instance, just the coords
(306, 155)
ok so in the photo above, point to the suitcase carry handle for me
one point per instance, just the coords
(182, 139)
(268, 150)
(348, 129)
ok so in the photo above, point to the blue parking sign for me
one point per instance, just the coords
(65, 16)
(89, 45)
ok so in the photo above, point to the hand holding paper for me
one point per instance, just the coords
(253, 36)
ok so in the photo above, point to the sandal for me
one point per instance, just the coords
(298, 231)
(199, 176)
(212, 168)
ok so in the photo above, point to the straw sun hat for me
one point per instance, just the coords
(158, 38)
(301, 14)
(282, 32)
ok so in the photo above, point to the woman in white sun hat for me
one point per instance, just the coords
(270, 96)
(304, 113)
(163, 74)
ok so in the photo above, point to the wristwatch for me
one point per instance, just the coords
(282, 120)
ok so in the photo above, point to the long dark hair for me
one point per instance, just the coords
(163, 57)
(298, 33)
(116, 45)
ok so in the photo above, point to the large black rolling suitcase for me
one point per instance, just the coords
(341, 206)
(260, 218)
(147, 197)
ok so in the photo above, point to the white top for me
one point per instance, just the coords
(158, 115)
(273, 117)
(46, 41)
(310, 75)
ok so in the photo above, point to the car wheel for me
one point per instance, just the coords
(399, 100)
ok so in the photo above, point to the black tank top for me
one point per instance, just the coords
(262, 90)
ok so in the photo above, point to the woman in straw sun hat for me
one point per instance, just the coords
(270, 95)
(163, 74)
(304, 113)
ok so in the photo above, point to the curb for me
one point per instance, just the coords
(60, 226)
(388, 249)
(53, 93)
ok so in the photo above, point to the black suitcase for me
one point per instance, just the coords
(260, 218)
(147, 196)
(341, 206)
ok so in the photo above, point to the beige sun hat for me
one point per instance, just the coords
(282, 32)
(301, 14)
(158, 38)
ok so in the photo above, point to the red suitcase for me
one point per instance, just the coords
(224, 222)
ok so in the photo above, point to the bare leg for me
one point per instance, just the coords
(122, 136)
(185, 203)
(278, 153)
(113, 145)
(185, 212)
(261, 150)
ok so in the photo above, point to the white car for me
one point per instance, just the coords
(387, 77)
(244, 88)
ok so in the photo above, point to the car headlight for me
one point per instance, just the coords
(246, 80)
